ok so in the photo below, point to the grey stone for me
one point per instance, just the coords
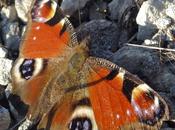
(163, 38)
(9, 13)
(5, 67)
(163, 23)
(2, 90)
(145, 63)
(103, 35)
(163, 81)
(98, 10)
(172, 91)
(170, 101)
(124, 12)
(154, 15)
(10, 34)
(170, 10)
(118, 7)
(23, 8)
(3, 52)
(4, 118)
(70, 6)
(146, 33)
(166, 129)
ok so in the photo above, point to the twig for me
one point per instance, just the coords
(150, 47)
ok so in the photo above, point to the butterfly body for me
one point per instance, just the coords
(66, 89)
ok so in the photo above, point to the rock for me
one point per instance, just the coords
(172, 91)
(163, 23)
(164, 80)
(81, 16)
(170, 102)
(163, 39)
(145, 33)
(4, 118)
(166, 129)
(145, 63)
(5, 67)
(154, 15)
(98, 10)
(118, 7)
(9, 13)
(8, 90)
(124, 12)
(103, 37)
(70, 6)
(22, 8)
(10, 34)
(146, 28)
(139, 2)
(3, 52)
(151, 42)
(2, 90)
(170, 10)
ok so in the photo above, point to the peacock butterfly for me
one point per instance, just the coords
(66, 89)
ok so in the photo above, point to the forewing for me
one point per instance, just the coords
(48, 33)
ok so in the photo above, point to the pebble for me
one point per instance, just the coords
(70, 6)
(4, 118)
(5, 67)
(22, 8)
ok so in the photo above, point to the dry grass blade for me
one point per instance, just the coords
(151, 47)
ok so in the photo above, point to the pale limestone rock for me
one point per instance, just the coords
(5, 67)
(3, 52)
(22, 8)
(155, 15)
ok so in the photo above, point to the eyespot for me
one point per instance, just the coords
(80, 123)
(27, 68)
(43, 10)
(148, 106)
(82, 119)
(24, 69)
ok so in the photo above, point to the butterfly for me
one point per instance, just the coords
(67, 89)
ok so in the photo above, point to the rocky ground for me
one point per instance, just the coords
(110, 24)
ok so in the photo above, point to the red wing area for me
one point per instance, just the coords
(120, 105)
(111, 107)
(44, 41)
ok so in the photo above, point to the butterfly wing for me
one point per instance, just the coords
(139, 107)
(108, 98)
(47, 20)
(47, 44)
